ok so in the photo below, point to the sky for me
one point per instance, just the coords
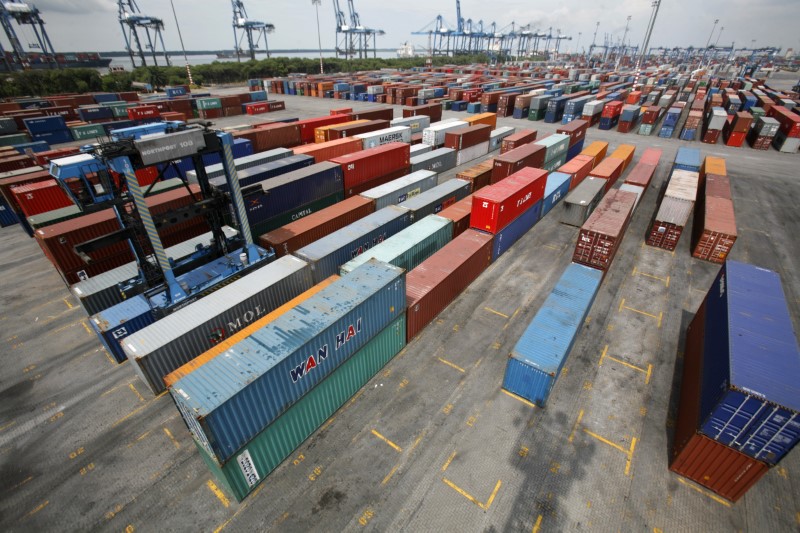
(91, 25)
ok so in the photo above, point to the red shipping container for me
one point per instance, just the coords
(527, 155)
(376, 182)
(350, 130)
(269, 136)
(173, 115)
(256, 108)
(17, 162)
(416, 138)
(6, 183)
(601, 235)
(651, 156)
(612, 109)
(641, 175)
(789, 121)
(461, 138)
(624, 126)
(459, 213)
(515, 140)
(576, 130)
(307, 126)
(340, 111)
(664, 235)
(743, 121)
(609, 169)
(330, 149)
(718, 186)
(40, 197)
(579, 167)
(367, 165)
(710, 136)
(44, 158)
(295, 235)
(714, 229)
(442, 277)
(380, 113)
(147, 175)
(735, 139)
(479, 176)
(143, 111)
(210, 113)
(716, 467)
(432, 110)
(496, 206)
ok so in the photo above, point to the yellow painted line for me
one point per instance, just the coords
(87, 328)
(8, 425)
(551, 246)
(537, 525)
(18, 485)
(645, 371)
(462, 492)
(492, 496)
(218, 493)
(498, 313)
(575, 427)
(513, 316)
(327, 423)
(449, 460)
(606, 441)
(397, 448)
(603, 355)
(621, 305)
(630, 456)
(175, 442)
(519, 398)
(649, 374)
(651, 276)
(416, 442)
(390, 474)
(124, 418)
(38, 508)
(645, 313)
(701, 491)
(69, 305)
(112, 389)
(136, 392)
(448, 363)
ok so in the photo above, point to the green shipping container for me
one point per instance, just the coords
(537, 114)
(273, 445)
(91, 131)
(16, 138)
(757, 112)
(408, 248)
(209, 103)
(554, 163)
(645, 129)
(556, 144)
(260, 228)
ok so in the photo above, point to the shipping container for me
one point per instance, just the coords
(417, 123)
(495, 206)
(439, 160)
(40, 197)
(517, 139)
(437, 198)
(229, 400)
(635, 189)
(674, 210)
(714, 229)
(576, 130)
(718, 186)
(402, 189)
(687, 159)
(329, 253)
(624, 152)
(331, 149)
(467, 137)
(555, 190)
(443, 276)
(641, 175)
(385, 136)
(527, 155)
(435, 134)
(351, 130)
(497, 136)
(516, 229)
(262, 172)
(601, 235)
(459, 214)
(597, 150)
(322, 133)
(751, 365)
(538, 357)
(176, 339)
(265, 452)
(479, 176)
(582, 201)
(556, 145)
(610, 169)
(367, 165)
(578, 168)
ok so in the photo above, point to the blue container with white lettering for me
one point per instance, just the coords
(505, 238)
(95, 113)
(231, 398)
(103, 98)
(555, 190)
(329, 253)
(53, 137)
(540, 354)
(38, 125)
(750, 396)
(117, 322)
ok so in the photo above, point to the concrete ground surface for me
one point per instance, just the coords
(431, 443)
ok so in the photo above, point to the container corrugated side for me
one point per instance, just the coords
(439, 160)
(714, 229)
(231, 399)
(173, 341)
(434, 200)
(751, 365)
(538, 357)
(241, 163)
(582, 201)
(635, 189)
(259, 457)
(112, 325)
(495, 206)
(402, 189)
(329, 253)
(555, 190)
(506, 237)
(679, 198)
(409, 247)
(459, 213)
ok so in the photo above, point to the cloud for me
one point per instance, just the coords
(74, 7)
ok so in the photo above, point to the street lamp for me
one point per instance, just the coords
(716, 21)
(721, 29)
(317, 3)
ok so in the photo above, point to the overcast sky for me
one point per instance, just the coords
(91, 25)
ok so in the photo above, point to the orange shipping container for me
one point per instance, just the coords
(322, 134)
(479, 176)
(330, 149)
(713, 165)
(596, 150)
(482, 118)
(578, 168)
(624, 152)
(609, 169)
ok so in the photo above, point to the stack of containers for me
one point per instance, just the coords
(435, 134)
(297, 379)
(574, 108)
(341, 131)
(417, 123)
(670, 121)
(52, 129)
(330, 149)
(527, 155)
(582, 201)
(578, 168)
(540, 354)
(787, 139)
(459, 215)
(469, 142)
(601, 235)
(693, 124)
(677, 201)
(517, 139)
(629, 116)
(762, 135)
(576, 130)
(509, 208)
(592, 111)
(715, 121)
(597, 150)
(479, 176)
(714, 228)
(436, 199)
(385, 136)
(649, 119)
(539, 106)
(439, 160)
(40, 197)
(369, 168)
(522, 105)
(736, 130)
(557, 146)
(609, 169)
(497, 136)
(609, 118)
(739, 400)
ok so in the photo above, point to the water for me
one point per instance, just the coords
(178, 60)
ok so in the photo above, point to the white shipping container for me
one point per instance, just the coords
(389, 135)
(375, 89)
(417, 123)
(434, 135)
(496, 136)
(473, 152)
(679, 198)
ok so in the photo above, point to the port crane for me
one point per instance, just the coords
(250, 29)
(352, 38)
(24, 15)
(131, 20)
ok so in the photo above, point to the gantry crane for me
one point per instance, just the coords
(131, 20)
(24, 14)
(250, 29)
(362, 35)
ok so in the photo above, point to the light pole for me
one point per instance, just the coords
(317, 3)
(716, 21)
(578, 43)
(188, 69)
(721, 29)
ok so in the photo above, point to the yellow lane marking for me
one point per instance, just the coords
(8, 425)
(136, 392)
(575, 427)
(69, 305)
(124, 418)
(38, 508)
(646, 371)
(484, 506)
(513, 316)
(389, 475)
(397, 448)
(175, 442)
(551, 246)
(498, 313)
(518, 398)
(448, 363)
(416, 442)
(701, 491)
(18, 485)
(87, 328)
(628, 453)
(537, 525)
(659, 317)
(239, 510)
(664, 280)
(449, 460)
(218, 493)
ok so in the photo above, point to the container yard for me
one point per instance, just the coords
(401, 312)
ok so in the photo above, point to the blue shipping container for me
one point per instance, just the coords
(45, 124)
(505, 238)
(7, 216)
(95, 113)
(540, 354)
(555, 190)
(687, 159)
(474, 107)
(608, 123)
(37, 146)
(575, 149)
(750, 398)
(117, 322)
(53, 137)
(230, 399)
(103, 98)
(329, 253)
(253, 175)
(688, 135)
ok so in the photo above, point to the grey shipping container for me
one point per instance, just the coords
(439, 160)
(252, 175)
(173, 341)
(101, 292)
(402, 189)
(241, 163)
(580, 203)
(496, 137)
(417, 123)
(440, 197)
(329, 253)
(419, 149)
